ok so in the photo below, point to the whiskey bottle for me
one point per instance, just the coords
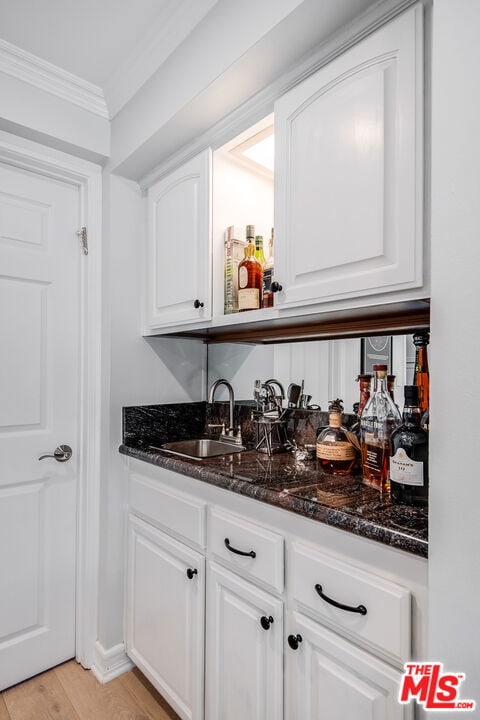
(409, 455)
(380, 417)
(335, 447)
(268, 276)
(365, 382)
(421, 376)
(250, 277)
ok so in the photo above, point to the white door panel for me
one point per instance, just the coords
(331, 679)
(348, 188)
(39, 388)
(179, 246)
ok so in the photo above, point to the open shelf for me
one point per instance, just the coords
(390, 319)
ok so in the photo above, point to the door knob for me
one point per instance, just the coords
(265, 622)
(294, 640)
(62, 453)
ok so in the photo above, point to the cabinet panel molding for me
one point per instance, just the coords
(349, 180)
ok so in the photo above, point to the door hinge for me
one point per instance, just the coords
(82, 234)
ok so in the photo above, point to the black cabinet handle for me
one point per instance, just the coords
(191, 573)
(197, 304)
(361, 609)
(294, 640)
(265, 622)
(275, 286)
(251, 554)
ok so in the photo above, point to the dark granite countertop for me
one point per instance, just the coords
(301, 487)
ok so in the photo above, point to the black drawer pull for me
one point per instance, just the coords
(265, 622)
(359, 609)
(251, 554)
(294, 640)
(191, 573)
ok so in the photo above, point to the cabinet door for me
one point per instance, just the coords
(328, 678)
(179, 247)
(349, 186)
(244, 662)
(165, 616)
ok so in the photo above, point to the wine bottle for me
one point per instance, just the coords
(421, 376)
(409, 455)
(268, 276)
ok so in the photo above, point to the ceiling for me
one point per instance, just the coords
(100, 40)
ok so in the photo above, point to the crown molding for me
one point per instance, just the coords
(176, 21)
(44, 75)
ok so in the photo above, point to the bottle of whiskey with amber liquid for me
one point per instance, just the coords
(250, 277)
(380, 417)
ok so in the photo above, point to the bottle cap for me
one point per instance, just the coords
(259, 241)
(250, 231)
(411, 395)
(421, 338)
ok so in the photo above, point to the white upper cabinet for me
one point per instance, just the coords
(179, 248)
(348, 172)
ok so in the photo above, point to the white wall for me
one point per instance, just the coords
(136, 371)
(455, 339)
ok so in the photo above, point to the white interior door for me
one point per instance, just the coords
(39, 410)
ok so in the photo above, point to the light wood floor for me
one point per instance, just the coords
(68, 692)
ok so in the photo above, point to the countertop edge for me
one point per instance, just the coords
(301, 506)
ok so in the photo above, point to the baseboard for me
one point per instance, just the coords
(110, 663)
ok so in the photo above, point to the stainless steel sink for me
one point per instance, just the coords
(200, 449)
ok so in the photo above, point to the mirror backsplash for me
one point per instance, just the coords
(328, 368)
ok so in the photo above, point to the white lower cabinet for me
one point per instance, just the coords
(244, 651)
(329, 678)
(209, 631)
(165, 615)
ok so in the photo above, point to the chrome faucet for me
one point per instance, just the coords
(271, 382)
(228, 434)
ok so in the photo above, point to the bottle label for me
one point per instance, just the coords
(335, 451)
(405, 470)
(248, 299)
(267, 279)
(242, 277)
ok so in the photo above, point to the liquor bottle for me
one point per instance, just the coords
(391, 386)
(259, 249)
(250, 277)
(380, 417)
(421, 376)
(335, 447)
(365, 382)
(409, 455)
(268, 276)
(233, 256)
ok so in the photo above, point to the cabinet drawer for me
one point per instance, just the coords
(385, 627)
(264, 561)
(178, 514)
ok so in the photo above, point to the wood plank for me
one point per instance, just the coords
(147, 697)
(113, 701)
(40, 698)
(4, 714)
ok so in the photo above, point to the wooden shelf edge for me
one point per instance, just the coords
(393, 319)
